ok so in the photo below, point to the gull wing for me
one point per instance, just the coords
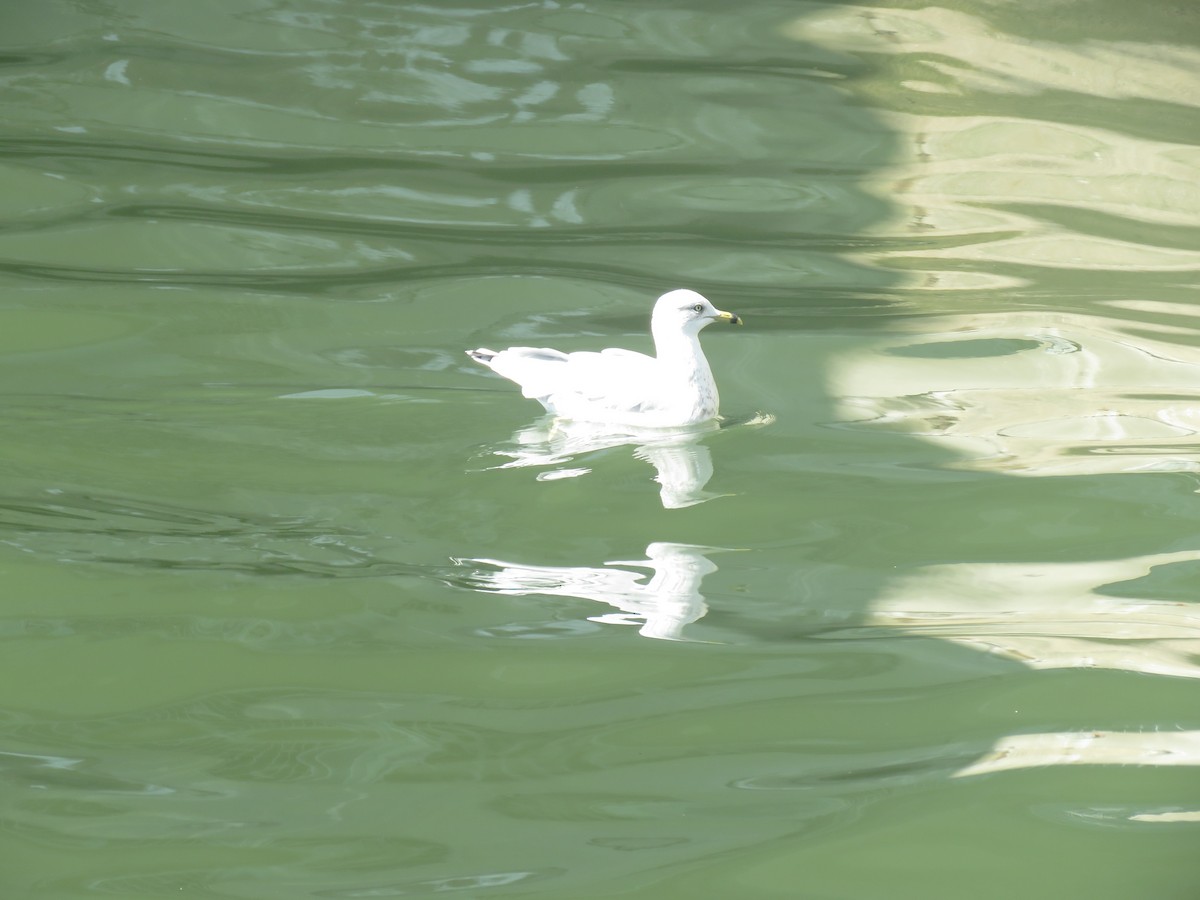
(572, 383)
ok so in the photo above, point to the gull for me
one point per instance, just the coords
(673, 388)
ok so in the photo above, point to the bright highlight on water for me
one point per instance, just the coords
(623, 387)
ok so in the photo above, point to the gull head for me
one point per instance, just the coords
(688, 311)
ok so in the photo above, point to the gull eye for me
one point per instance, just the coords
(699, 307)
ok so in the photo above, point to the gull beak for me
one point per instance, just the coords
(728, 317)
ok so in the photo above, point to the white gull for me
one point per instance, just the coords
(673, 388)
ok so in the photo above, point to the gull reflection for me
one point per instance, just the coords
(660, 606)
(683, 462)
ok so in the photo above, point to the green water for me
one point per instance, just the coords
(300, 602)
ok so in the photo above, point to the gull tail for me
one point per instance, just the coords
(482, 355)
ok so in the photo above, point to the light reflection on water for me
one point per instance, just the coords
(1099, 379)
(1053, 615)
(1094, 748)
(1042, 394)
(1037, 393)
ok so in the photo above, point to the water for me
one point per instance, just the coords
(300, 602)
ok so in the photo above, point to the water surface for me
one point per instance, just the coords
(301, 602)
